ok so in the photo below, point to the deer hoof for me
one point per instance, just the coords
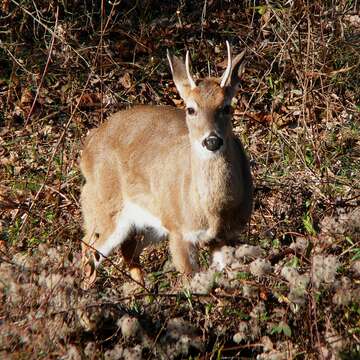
(137, 275)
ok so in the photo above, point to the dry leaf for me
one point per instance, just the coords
(125, 81)
(26, 98)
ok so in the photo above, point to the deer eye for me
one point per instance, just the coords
(227, 109)
(190, 111)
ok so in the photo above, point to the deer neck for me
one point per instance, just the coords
(211, 179)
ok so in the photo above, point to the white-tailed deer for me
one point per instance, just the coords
(157, 172)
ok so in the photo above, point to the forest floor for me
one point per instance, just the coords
(291, 288)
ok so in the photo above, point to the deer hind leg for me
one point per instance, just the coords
(90, 242)
(184, 254)
(106, 229)
(106, 239)
(131, 250)
(101, 203)
(97, 244)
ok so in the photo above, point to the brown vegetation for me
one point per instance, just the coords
(292, 289)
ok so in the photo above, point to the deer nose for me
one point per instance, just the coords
(213, 142)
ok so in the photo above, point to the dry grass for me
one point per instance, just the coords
(64, 68)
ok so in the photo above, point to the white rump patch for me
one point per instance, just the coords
(134, 217)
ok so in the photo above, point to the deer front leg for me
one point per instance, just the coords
(211, 236)
(184, 254)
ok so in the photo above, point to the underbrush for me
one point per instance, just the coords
(291, 286)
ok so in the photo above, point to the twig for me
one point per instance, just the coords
(314, 309)
(46, 67)
(22, 227)
(203, 16)
(17, 61)
(124, 273)
(51, 32)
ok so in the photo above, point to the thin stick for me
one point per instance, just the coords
(22, 227)
(51, 32)
(46, 67)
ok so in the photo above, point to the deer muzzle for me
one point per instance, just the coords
(213, 142)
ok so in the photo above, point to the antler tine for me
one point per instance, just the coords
(191, 81)
(227, 72)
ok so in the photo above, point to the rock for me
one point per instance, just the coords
(267, 344)
(23, 259)
(179, 337)
(177, 327)
(129, 326)
(183, 345)
(297, 284)
(238, 338)
(90, 350)
(300, 245)
(248, 251)
(343, 294)
(223, 257)
(73, 353)
(273, 355)
(254, 329)
(203, 282)
(242, 333)
(356, 267)
(114, 354)
(133, 353)
(53, 280)
(260, 267)
(258, 310)
(250, 291)
(290, 274)
(130, 288)
(234, 269)
(337, 228)
(324, 269)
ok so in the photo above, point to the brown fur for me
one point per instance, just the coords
(145, 155)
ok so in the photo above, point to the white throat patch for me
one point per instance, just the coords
(204, 154)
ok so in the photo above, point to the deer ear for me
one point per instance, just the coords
(238, 67)
(181, 75)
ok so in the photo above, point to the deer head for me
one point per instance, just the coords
(208, 103)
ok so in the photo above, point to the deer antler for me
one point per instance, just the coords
(227, 72)
(191, 81)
